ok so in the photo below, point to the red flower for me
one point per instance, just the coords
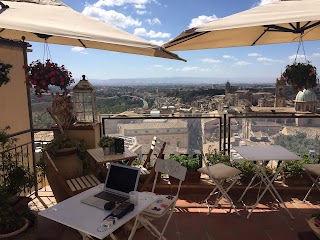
(40, 75)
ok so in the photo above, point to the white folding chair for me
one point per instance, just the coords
(312, 170)
(220, 173)
(166, 203)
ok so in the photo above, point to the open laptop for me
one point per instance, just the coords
(120, 180)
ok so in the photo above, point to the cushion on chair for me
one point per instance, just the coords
(313, 168)
(161, 205)
(220, 171)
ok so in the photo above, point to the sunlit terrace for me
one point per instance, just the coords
(190, 219)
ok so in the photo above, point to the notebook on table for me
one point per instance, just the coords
(120, 180)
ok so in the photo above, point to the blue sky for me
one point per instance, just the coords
(159, 21)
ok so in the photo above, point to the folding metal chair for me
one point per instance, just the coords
(220, 173)
(166, 203)
(312, 169)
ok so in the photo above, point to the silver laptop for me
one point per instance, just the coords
(120, 180)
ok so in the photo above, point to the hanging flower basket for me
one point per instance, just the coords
(43, 75)
(301, 76)
(4, 73)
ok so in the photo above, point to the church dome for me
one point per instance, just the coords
(307, 95)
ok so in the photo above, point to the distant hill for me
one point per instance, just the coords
(179, 81)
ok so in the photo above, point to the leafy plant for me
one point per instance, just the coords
(248, 169)
(294, 169)
(301, 75)
(62, 141)
(14, 177)
(9, 220)
(215, 157)
(192, 163)
(4, 72)
(42, 75)
(106, 141)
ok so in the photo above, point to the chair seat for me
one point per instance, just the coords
(82, 183)
(313, 168)
(220, 171)
(160, 206)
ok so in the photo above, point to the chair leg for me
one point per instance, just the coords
(223, 192)
(315, 183)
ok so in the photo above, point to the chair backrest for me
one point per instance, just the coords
(172, 168)
(157, 148)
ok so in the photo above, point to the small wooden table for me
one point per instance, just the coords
(101, 159)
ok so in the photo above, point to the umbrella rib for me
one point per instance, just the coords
(305, 27)
(82, 43)
(265, 30)
(186, 38)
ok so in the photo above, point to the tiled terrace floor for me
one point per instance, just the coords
(191, 222)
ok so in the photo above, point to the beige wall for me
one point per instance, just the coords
(13, 96)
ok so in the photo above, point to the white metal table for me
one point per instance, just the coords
(87, 219)
(263, 154)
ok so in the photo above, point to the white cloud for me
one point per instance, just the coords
(151, 33)
(298, 57)
(154, 21)
(201, 20)
(230, 57)
(316, 55)
(140, 6)
(210, 60)
(169, 68)
(79, 50)
(112, 17)
(141, 12)
(193, 69)
(157, 42)
(254, 55)
(242, 63)
(157, 66)
(263, 2)
(111, 3)
(268, 61)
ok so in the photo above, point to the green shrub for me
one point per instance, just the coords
(215, 157)
(192, 163)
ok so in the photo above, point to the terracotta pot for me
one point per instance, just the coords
(68, 163)
(191, 177)
(304, 180)
(18, 231)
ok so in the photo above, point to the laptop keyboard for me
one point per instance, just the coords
(111, 197)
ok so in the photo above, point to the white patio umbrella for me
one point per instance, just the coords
(278, 22)
(55, 22)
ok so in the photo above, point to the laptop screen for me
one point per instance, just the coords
(122, 178)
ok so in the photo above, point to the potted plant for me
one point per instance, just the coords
(14, 178)
(4, 73)
(215, 157)
(301, 76)
(293, 173)
(107, 144)
(69, 155)
(51, 78)
(314, 223)
(43, 76)
(192, 163)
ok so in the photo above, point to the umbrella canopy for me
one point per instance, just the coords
(278, 22)
(51, 20)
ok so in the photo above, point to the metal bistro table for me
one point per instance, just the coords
(87, 219)
(262, 154)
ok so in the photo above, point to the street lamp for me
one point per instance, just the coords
(84, 101)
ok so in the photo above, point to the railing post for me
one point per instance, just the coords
(224, 132)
